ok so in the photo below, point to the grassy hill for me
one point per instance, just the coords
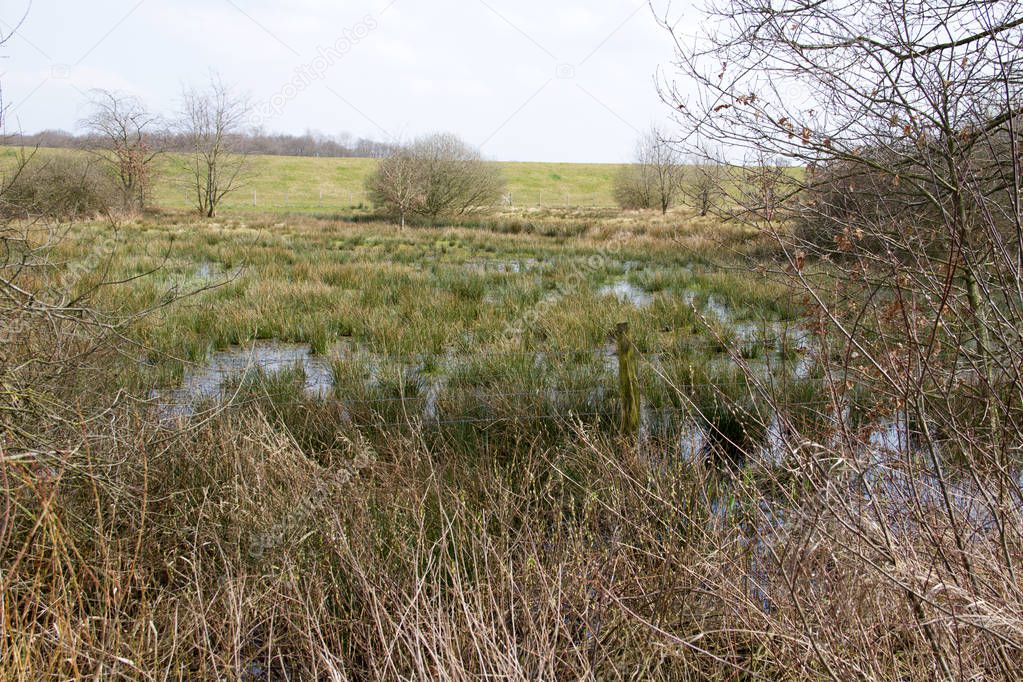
(313, 184)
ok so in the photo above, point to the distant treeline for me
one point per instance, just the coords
(309, 144)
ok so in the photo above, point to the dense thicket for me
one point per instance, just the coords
(59, 188)
(878, 143)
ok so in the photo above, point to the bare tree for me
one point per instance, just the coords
(762, 185)
(123, 136)
(706, 184)
(398, 185)
(211, 120)
(655, 179)
(437, 175)
(456, 178)
(8, 176)
(903, 231)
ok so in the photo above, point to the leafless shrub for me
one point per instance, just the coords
(655, 179)
(397, 185)
(632, 191)
(126, 141)
(435, 176)
(706, 185)
(211, 120)
(59, 188)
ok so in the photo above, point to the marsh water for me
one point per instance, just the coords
(224, 371)
(211, 380)
(627, 292)
(435, 391)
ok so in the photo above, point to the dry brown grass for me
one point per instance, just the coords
(226, 551)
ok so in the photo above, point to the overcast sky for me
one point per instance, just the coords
(532, 80)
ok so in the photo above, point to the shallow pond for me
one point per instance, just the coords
(209, 380)
(506, 265)
(627, 292)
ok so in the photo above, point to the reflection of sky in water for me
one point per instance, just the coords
(507, 266)
(627, 292)
(209, 380)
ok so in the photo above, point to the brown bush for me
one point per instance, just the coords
(59, 187)
(435, 176)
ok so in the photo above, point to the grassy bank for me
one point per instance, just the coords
(314, 185)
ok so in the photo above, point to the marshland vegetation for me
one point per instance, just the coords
(309, 440)
(315, 424)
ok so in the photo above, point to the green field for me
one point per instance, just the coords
(306, 184)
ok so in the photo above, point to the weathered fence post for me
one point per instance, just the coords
(628, 379)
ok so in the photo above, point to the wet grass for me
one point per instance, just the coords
(440, 322)
(465, 472)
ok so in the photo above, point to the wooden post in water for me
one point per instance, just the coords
(628, 379)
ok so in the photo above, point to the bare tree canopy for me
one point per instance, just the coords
(814, 83)
(397, 185)
(211, 120)
(456, 178)
(705, 185)
(438, 175)
(901, 226)
(655, 179)
(250, 142)
(125, 137)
